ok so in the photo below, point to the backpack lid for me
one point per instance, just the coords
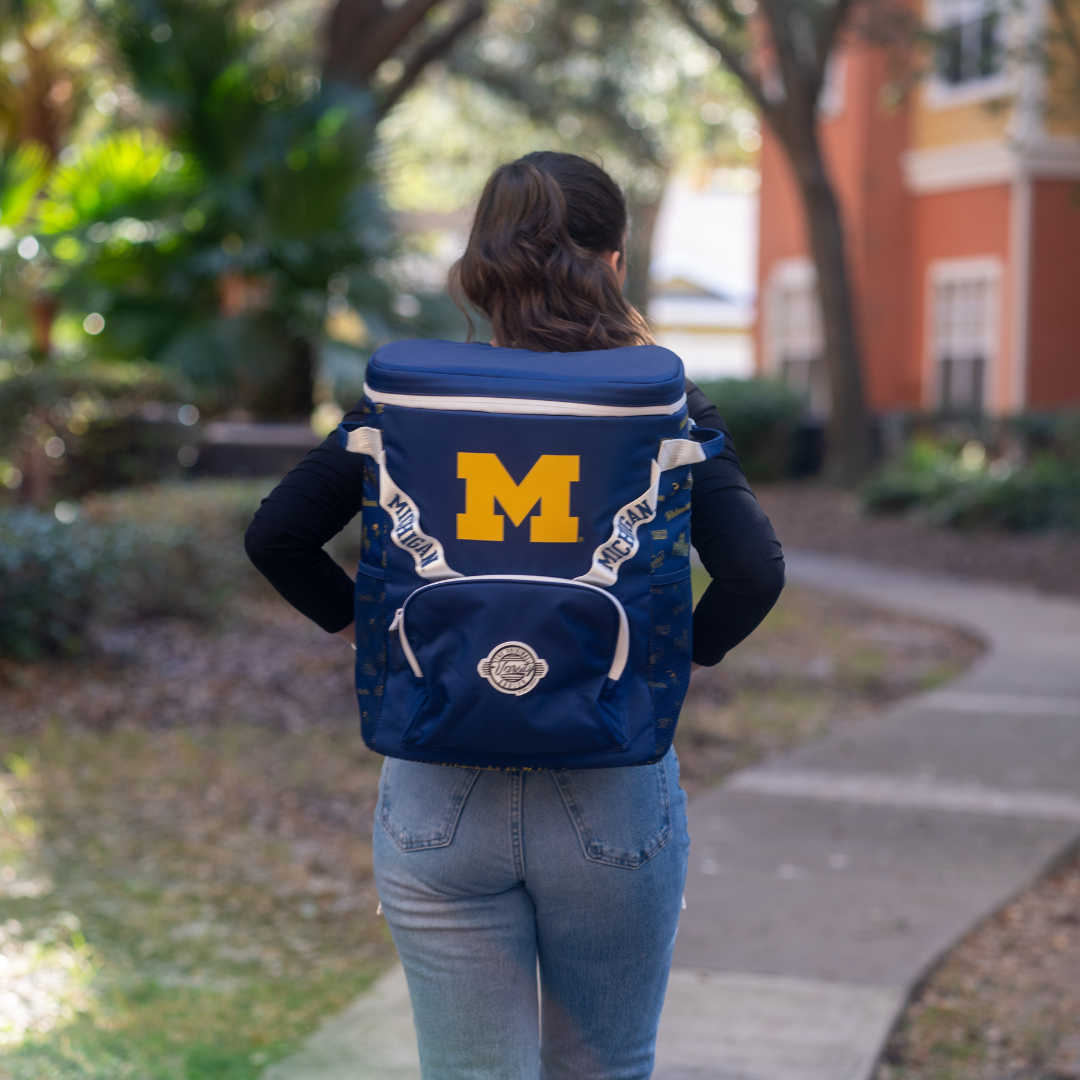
(637, 376)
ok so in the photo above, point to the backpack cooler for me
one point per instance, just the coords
(523, 597)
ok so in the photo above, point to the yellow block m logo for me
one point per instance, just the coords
(548, 483)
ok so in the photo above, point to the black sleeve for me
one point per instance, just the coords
(735, 542)
(309, 507)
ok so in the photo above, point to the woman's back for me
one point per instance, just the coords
(487, 875)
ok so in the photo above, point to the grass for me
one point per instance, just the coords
(187, 899)
(218, 911)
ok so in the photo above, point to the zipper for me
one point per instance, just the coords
(622, 643)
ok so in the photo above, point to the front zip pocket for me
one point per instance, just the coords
(514, 664)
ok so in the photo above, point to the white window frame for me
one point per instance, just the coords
(789, 274)
(988, 269)
(793, 273)
(942, 95)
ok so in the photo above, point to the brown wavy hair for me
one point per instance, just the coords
(534, 265)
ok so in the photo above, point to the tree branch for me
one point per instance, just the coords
(361, 34)
(431, 50)
(731, 58)
(1069, 30)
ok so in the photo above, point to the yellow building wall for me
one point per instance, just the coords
(933, 126)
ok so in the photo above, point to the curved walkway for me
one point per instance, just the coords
(826, 882)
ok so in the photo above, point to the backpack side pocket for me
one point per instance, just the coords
(671, 608)
(371, 642)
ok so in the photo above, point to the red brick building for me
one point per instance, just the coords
(962, 209)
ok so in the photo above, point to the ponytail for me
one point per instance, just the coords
(533, 265)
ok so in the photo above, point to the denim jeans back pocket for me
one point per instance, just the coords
(622, 816)
(419, 804)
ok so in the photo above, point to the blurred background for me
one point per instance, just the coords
(212, 212)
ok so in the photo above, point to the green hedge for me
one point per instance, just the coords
(118, 423)
(763, 417)
(173, 549)
(52, 578)
(965, 488)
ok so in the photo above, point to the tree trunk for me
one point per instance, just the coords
(639, 245)
(42, 312)
(37, 484)
(848, 444)
(290, 395)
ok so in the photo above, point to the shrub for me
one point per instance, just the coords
(115, 421)
(52, 578)
(966, 489)
(763, 417)
(1045, 495)
(171, 549)
(186, 543)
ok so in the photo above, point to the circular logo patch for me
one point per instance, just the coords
(512, 668)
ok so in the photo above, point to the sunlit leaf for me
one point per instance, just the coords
(22, 175)
(110, 176)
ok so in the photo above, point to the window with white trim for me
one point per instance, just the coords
(969, 42)
(964, 299)
(794, 333)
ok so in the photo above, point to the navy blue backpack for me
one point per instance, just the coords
(523, 597)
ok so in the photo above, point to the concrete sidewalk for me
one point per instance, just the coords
(826, 882)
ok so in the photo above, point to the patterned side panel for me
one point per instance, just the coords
(370, 652)
(671, 605)
(669, 531)
(671, 611)
(371, 622)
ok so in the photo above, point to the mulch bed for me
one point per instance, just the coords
(1005, 1004)
(817, 518)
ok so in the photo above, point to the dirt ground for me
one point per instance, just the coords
(185, 860)
(816, 518)
(1005, 1004)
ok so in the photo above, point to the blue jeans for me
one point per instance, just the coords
(486, 876)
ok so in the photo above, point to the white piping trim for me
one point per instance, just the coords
(519, 406)
(406, 648)
(622, 643)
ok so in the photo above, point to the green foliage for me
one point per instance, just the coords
(176, 549)
(50, 579)
(22, 175)
(212, 252)
(762, 415)
(1056, 432)
(215, 224)
(627, 80)
(184, 553)
(964, 488)
(112, 420)
(123, 171)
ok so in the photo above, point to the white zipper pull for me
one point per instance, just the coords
(397, 620)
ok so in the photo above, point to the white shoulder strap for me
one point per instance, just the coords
(428, 555)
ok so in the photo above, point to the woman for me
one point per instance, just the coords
(486, 881)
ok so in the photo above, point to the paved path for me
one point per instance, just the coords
(826, 882)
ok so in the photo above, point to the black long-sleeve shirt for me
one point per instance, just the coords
(729, 530)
